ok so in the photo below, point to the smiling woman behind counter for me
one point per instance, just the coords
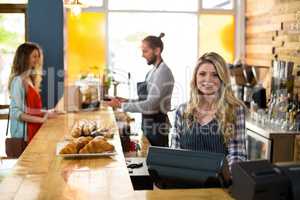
(213, 119)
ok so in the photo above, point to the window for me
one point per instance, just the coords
(218, 29)
(180, 48)
(157, 5)
(14, 1)
(129, 21)
(12, 34)
(217, 4)
(126, 31)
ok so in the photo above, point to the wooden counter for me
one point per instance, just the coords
(40, 174)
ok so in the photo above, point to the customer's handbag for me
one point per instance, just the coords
(14, 147)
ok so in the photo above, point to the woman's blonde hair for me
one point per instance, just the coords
(21, 64)
(226, 103)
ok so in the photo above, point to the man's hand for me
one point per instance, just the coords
(115, 103)
(121, 99)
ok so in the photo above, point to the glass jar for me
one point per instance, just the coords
(89, 92)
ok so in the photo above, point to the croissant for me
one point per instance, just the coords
(89, 127)
(109, 135)
(85, 130)
(100, 137)
(70, 148)
(82, 141)
(97, 145)
(92, 126)
(76, 132)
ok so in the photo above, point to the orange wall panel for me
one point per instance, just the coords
(217, 34)
(86, 44)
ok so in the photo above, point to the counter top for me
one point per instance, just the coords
(266, 130)
(40, 174)
(183, 194)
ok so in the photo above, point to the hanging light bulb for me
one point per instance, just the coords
(75, 6)
(76, 10)
(83, 3)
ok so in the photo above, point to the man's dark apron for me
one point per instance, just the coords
(155, 126)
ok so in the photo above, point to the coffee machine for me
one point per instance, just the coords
(243, 78)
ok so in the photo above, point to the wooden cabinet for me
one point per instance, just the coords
(297, 148)
(263, 142)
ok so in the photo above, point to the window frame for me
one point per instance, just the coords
(141, 10)
(16, 8)
(238, 11)
(201, 7)
(6, 8)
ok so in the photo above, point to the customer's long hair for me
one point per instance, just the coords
(21, 64)
(226, 103)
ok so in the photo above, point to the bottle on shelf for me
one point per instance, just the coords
(297, 114)
(271, 106)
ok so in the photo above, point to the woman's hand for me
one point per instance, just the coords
(51, 114)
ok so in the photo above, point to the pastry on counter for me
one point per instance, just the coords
(70, 148)
(106, 133)
(83, 127)
(97, 145)
(86, 145)
(82, 141)
(76, 131)
(86, 128)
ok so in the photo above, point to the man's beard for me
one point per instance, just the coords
(152, 61)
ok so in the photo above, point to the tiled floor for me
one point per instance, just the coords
(3, 124)
(5, 164)
(5, 167)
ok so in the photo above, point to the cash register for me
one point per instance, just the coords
(177, 168)
(256, 180)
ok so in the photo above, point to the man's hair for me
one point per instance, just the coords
(154, 41)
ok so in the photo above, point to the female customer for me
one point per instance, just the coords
(26, 112)
(214, 119)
